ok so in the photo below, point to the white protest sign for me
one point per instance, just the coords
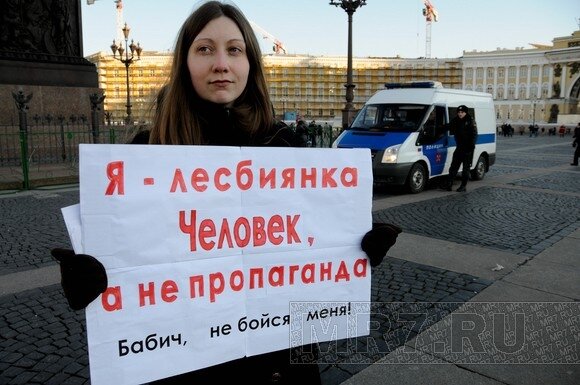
(208, 249)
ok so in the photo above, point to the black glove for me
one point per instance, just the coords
(83, 277)
(379, 240)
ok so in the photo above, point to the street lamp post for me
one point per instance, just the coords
(350, 6)
(130, 50)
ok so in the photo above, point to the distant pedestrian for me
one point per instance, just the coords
(562, 130)
(576, 145)
(302, 131)
(465, 132)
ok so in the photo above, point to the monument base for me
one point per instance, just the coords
(57, 89)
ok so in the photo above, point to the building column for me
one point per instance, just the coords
(494, 82)
(540, 72)
(529, 81)
(517, 91)
(505, 81)
(550, 83)
(563, 80)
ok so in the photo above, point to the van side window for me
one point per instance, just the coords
(434, 127)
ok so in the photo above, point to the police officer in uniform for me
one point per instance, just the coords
(465, 132)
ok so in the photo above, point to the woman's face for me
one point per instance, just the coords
(217, 62)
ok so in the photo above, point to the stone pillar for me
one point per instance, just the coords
(41, 53)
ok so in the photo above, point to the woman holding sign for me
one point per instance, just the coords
(217, 95)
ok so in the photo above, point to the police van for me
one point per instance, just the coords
(406, 128)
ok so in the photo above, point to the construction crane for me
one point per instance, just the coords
(278, 46)
(119, 25)
(431, 15)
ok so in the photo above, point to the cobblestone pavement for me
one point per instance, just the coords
(491, 217)
(31, 225)
(42, 341)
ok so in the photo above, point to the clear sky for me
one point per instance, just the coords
(382, 28)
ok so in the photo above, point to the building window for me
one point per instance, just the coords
(546, 71)
(512, 72)
(511, 91)
(479, 73)
(523, 72)
(469, 73)
(500, 72)
(490, 72)
(545, 90)
(500, 92)
(522, 91)
(535, 71)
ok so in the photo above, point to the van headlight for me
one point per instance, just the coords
(390, 154)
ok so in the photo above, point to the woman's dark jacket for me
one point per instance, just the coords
(278, 367)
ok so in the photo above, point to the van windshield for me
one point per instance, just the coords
(390, 117)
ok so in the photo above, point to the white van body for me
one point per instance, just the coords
(406, 128)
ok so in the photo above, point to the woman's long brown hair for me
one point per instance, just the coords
(176, 117)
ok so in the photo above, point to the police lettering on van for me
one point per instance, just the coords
(406, 128)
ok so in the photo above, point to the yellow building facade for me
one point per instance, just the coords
(541, 83)
(146, 77)
(313, 87)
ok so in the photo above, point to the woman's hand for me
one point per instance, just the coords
(83, 277)
(379, 240)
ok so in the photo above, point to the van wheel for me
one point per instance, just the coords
(417, 178)
(479, 171)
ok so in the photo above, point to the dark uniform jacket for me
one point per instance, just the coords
(465, 133)
(278, 367)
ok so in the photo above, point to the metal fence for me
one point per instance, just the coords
(51, 143)
(48, 149)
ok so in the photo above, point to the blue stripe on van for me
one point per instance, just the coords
(481, 139)
(372, 140)
(486, 138)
